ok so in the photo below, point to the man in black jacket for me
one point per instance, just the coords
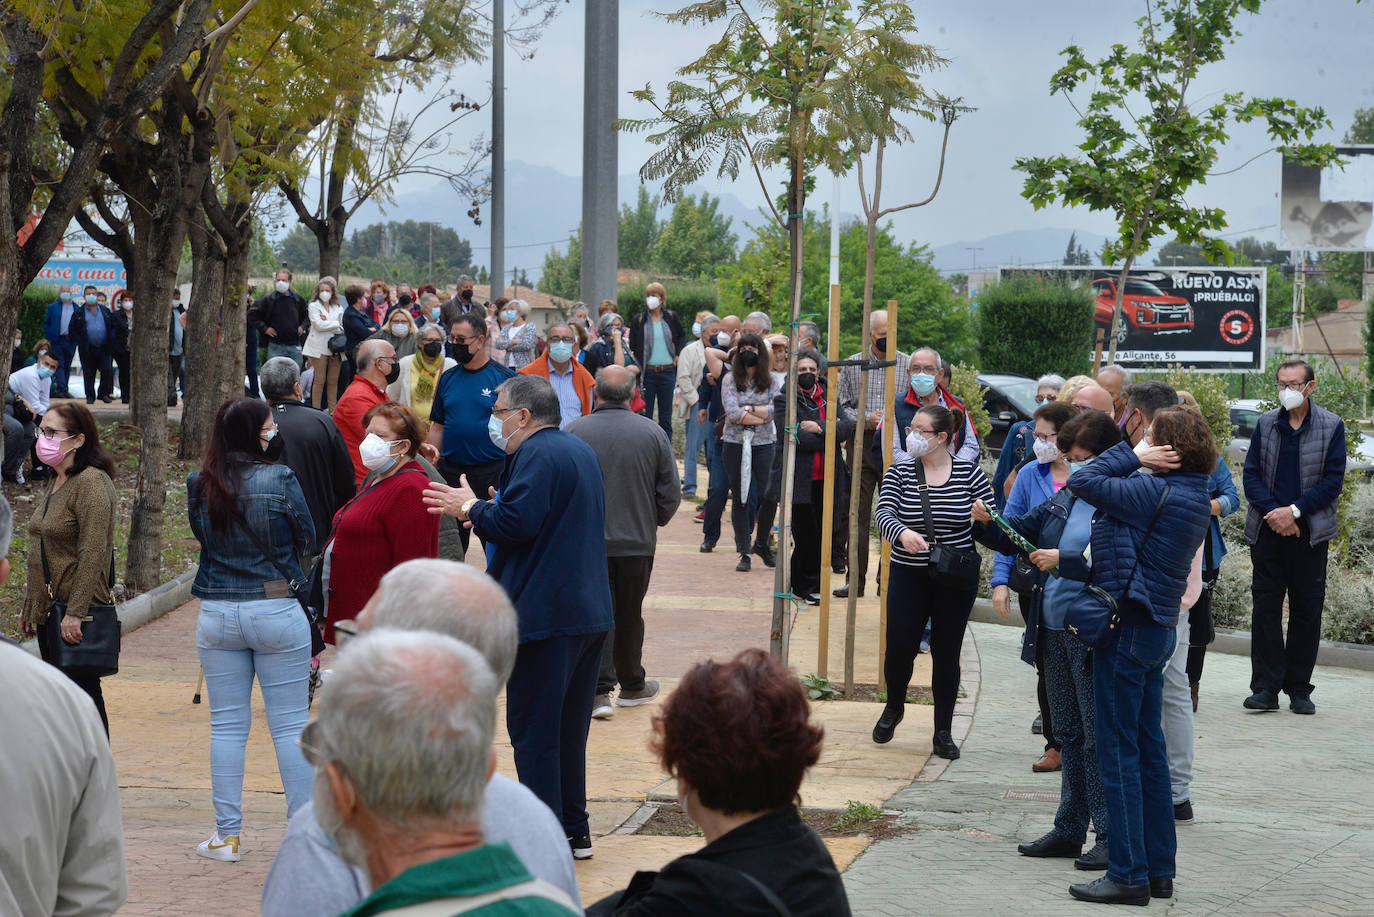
(92, 326)
(656, 339)
(643, 492)
(281, 317)
(312, 446)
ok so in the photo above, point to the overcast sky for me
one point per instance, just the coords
(1001, 54)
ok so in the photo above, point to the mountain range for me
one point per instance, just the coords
(544, 207)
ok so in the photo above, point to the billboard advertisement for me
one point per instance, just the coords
(107, 276)
(1209, 318)
(1328, 209)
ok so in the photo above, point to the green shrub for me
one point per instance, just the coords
(31, 312)
(1030, 327)
(1209, 389)
(963, 384)
(685, 299)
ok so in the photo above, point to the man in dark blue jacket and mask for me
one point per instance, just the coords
(547, 524)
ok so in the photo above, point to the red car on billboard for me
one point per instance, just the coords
(1145, 309)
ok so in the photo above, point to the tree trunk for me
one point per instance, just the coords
(1117, 317)
(204, 323)
(331, 237)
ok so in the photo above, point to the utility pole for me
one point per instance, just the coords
(498, 148)
(600, 181)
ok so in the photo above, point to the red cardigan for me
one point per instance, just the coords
(385, 525)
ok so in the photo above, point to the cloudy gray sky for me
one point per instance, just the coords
(1001, 53)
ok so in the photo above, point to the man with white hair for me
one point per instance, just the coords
(402, 755)
(1114, 378)
(441, 597)
(62, 850)
(871, 403)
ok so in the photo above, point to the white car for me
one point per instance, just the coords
(1245, 413)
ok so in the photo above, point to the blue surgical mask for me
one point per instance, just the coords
(509, 315)
(65, 297)
(696, 329)
(560, 351)
(496, 429)
(434, 313)
(1076, 466)
(90, 299)
(44, 372)
(922, 383)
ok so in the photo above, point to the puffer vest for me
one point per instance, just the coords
(1312, 449)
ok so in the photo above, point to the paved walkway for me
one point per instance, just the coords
(1284, 822)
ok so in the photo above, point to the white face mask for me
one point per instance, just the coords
(1141, 447)
(325, 295)
(916, 445)
(1045, 452)
(283, 286)
(653, 302)
(376, 452)
(1291, 399)
(400, 329)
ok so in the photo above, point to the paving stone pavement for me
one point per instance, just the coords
(1284, 822)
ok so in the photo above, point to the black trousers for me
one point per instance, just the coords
(1042, 694)
(806, 542)
(1201, 630)
(126, 381)
(913, 598)
(480, 479)
(867, 476)
(621, 658)
(89, 684)
(760, 470)
(1294, 568)
(93, 360)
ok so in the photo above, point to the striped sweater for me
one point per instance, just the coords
(899, 508)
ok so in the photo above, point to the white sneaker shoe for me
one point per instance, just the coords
(220, 848)
(602, 709)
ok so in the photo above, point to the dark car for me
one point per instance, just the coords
(1008, 399)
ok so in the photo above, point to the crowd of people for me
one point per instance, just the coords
(337, 509)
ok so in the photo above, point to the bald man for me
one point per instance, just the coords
(377, 368)
(1097, 398)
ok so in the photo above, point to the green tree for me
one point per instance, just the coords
(1141, 156)
(1076, 254)
(639, 230)
(562, 272)
(696, 241)
(299, 250)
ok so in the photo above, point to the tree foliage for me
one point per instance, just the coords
(1147, 142)
(930, 314)
(1029, 327)
(405, 251)
(639, 230)
(562, 271)
(696, 240)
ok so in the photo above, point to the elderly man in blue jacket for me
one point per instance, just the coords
(547, 523)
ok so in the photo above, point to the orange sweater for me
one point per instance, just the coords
(582, 380)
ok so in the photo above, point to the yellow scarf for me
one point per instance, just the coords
(423, 379)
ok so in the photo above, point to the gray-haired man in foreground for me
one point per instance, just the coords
(308, 875)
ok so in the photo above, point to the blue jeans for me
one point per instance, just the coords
(1128, 688)
(285, 350)
(696, 438)
(235, 640)
(657, 387)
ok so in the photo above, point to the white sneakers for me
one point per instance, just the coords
(220, 848)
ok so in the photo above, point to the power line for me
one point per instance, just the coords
(521, 245)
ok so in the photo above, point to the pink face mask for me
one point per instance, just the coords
(49, 449)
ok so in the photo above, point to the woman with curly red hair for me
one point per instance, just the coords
(738, 738)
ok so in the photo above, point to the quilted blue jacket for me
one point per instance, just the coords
(1127, 501)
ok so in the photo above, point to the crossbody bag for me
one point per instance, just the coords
(958, 568)
(97, 655)
(1094, 616)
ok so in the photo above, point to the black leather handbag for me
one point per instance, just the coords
(338, 343)
(1024, 575)
(958, 568)
(1095, 615)
(97, 655)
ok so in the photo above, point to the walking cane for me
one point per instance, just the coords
(195, 698)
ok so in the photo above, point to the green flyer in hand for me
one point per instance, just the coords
(1016, 537)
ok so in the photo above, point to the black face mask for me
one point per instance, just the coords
(274, 447)
(880, 344)
(403, 299)
(433, 348)
(394, 373)
(807, 380)
(465, 295)
(461, 352)
(748, 358)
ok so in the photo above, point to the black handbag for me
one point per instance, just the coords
(97, 655)
(1094, 616)
(338, 343)
(957, 568)
(1024, 575)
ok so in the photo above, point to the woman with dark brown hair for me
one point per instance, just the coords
(749, 437)
(251, 519)
(75, 529)
(385, 525)
(738, 738)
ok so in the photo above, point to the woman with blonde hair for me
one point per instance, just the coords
(1072, 387)
(399, 331)
(326, 311)
(420, 372)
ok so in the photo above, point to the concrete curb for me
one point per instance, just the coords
(1230, 641)
(149, 606)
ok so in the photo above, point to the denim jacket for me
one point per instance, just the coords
(232, 565)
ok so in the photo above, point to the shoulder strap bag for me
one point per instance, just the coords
(1095, 615)
(97, 655)
(957, 568)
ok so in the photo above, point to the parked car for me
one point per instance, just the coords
(1145, 309)
(1008, 398)
(1245, 414)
